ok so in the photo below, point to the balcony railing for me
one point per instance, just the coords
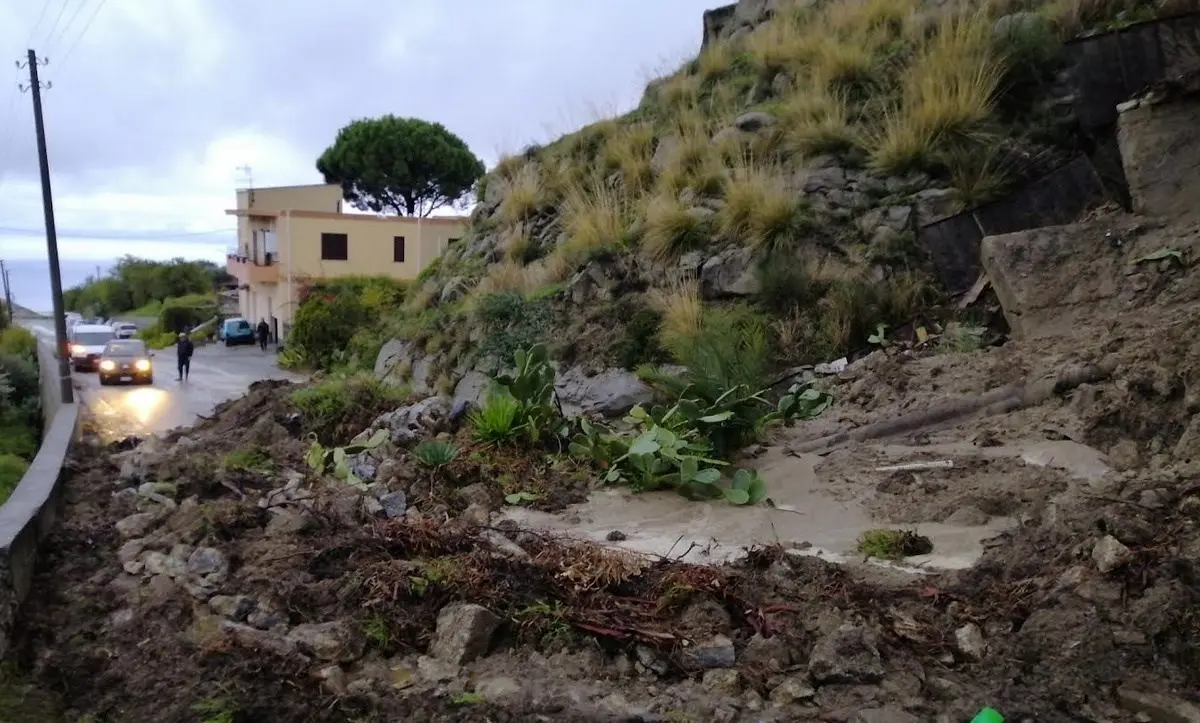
(250, 271)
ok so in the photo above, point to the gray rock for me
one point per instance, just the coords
(478, 494)
(136, 525)
(333, 679)
(463, 633)
(286, 522)
(435, 670)
(156, 563)
(209, 564)
(610, 393)
(969, 639)
(691, 262)
(770, 654)
(232, 607)
(334, 641)
(885, 715)
(722, 681)
(256, 639)
(790, 691)
(392, 355)
(591, 283)
(716, 652)
(649, 659)
(1109, 554)
(265, 618)
(831, 178)
(1158, 707)
(935, 204)
(968, 516)
(847, 655)
(1015, 25)
(730, 273)
(470, 389)
(130, 551)
(415, 420)
(453, 290)
(754, 121)
(394, 504)
(664, 153)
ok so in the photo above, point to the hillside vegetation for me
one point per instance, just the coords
(765, 187)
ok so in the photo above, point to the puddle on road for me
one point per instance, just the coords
(807, 511)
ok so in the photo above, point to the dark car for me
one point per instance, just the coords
(126, 360)
(236, 331)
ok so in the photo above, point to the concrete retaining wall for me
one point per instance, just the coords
(28, 515)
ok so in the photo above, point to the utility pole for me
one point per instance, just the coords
(60, 320)
(7, 294)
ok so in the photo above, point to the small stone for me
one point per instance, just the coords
(136, 525)
(771, 654)
(156, 563)
(463, 633)
(130, 551)
(264, 618)
(1109, 554)
(395, 504)
(649, 659)
(724, 681)
(616, 536)
(754, 121)
(1154, 499)
(477, 494)
(333, 678)
(233, 607)
(477, 515)
(716, 652)
(286, 522)
(790, 691)
(256, 639)
(209, 564)
(970, 641)
(847, 655)
(968, 516)
(335, 641)
(885, 715)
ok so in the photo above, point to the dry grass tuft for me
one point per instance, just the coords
(523, 193)
(596, 219)
(817, 121)
(672, 228)
(628, 153)
(760, 210)
(516, 244)
(948, 92)
(682, 312)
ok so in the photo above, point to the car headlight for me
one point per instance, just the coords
(78, 350)
(107, 365)
(142, 365)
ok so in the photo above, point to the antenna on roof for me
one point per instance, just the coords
(249, 175)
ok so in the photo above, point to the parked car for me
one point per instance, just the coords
(126, 360)
(236, 331)
(124, 330)
(87, 344)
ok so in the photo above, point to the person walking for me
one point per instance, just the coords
(264, 333)
(183, 354)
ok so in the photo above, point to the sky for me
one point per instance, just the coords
(156, 107)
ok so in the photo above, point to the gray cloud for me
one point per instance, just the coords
(152, 84)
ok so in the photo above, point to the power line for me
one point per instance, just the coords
(38, 22)
(83, 32)
(116, 234)
(71, 20)
(54, 27)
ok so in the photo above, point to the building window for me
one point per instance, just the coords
(334, 247)
(398, 249)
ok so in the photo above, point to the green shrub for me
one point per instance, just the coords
(12, 469)
(511, 322)
(24, 380)
(252, 459)
(640, 344)
(325, 324)
(17, 436)
(339, 407)
(498, 419)
(18, 341)
(522, 403)
(186, 312)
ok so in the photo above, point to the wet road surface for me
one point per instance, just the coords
(218, 374)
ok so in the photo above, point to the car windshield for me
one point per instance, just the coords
(240, 325)
(125, 348)
(92, 338)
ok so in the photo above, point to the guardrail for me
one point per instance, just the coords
(28, 515)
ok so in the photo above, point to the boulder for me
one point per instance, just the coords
(333, 641)
(754, 121)
(463, 633)
(1160, 150)
(393, 354)
(413, 421)
(847, 655)
(730, 273)
(610, 393)
(470, 390)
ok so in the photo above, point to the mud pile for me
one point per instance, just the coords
(188, 583)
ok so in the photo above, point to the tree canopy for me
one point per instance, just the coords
(135, 283)
(401, 165)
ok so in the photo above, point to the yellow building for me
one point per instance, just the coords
(291, 236)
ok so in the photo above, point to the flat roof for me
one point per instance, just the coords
(443, 220)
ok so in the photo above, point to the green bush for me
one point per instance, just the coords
(12, 469)
(640, 344)
(325, 324)
(17, 436)
(18, 341)
(24, 380)
(339, 407)
(511, 322)
(186, 313)
(498, 419)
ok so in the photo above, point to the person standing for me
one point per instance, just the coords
(183, 354)
(264, 333)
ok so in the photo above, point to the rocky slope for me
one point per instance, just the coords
(786, 168)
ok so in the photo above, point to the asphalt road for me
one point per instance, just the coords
(218, 374)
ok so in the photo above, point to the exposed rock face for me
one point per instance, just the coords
(1161, 153)
(610, 393)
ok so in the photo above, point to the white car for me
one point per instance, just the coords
(124, 330)
(87, 343)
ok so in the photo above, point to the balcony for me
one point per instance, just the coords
(250, 271)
